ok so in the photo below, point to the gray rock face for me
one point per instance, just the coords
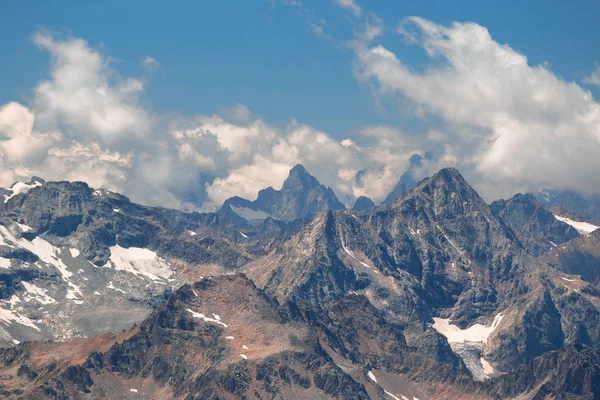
(437, 295)
(535, 227)
(301, 196)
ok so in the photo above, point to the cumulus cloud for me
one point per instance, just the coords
(508, 125)
(87, 122)
(512, 125)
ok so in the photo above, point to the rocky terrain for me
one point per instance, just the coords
(435, 295)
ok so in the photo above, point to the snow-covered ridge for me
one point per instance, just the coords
(20, 187)
(584, 228)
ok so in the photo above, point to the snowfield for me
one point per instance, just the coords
(474, 333)
(584, 228)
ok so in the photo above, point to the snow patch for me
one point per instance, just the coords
(245, 357)
(8, 316)
(139, 261)
(74, 253)
(567, 279)
(20, 187)
(391, 395)
(205, 318)
(46, 253)
(371, 376)
(192, 233)
(133, 390)
(36, 293)
(242, 233)
(111, 286)
(487, 367)
(474, 333)
(4, 263)
(584, 228)
(229, 337)
(245, 347)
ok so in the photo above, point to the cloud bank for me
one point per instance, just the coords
(509, 126)
(86, 122)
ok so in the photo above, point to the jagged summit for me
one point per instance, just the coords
(408, 179)
(301, 196)
(536, 227)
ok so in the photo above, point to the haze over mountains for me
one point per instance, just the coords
(433, 294)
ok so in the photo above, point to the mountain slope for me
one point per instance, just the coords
(217, 338)
(535, 227)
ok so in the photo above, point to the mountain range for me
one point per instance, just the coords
(434, 294)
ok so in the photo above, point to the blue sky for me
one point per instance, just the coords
(261, 54)
(240, 91)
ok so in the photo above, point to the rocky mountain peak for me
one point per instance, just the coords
(301, 196)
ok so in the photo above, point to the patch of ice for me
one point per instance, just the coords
(97, 293)
(139, 261)
(245, 347)
(584, 228)
(229, 337)
(133, 390)
(15, 341)
(205, 318)
(192, 233)
(242, 233)
(474, 333)
(20, 187)
(552, 243)
(116, 210)
(245, 357)
(4, 262)
(372, 376)
(567, 279)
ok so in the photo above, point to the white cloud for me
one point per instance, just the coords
(83, 93)
(351, 6)
(86, 122)
(150, 63)
(594, 78)
(517, 125)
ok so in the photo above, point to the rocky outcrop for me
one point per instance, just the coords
(535, 226)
